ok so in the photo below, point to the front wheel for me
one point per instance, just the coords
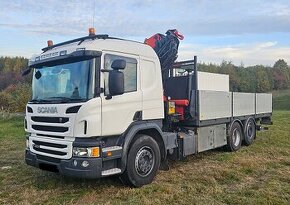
(143, 161)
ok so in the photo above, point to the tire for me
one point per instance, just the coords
(249, 131)
(143, 162)
(234, 137)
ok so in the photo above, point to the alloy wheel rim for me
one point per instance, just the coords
(250, 130)
(236, 137)
(144, 161)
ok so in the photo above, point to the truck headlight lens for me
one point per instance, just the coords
(86, 151)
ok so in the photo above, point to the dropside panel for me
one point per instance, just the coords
(243, 104)
(213, 81)
(214, 105)
(263, 103)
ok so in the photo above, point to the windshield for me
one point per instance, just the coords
(65, 82)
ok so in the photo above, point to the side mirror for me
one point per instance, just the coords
(119, 64)
(26, 72)
(116, 82)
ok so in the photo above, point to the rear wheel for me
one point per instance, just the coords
(249, 131)
(143, 162)
(234, 138)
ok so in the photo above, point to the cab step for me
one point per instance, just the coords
(111, 149)
(111, 172)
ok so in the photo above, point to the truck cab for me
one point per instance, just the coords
(72, 108)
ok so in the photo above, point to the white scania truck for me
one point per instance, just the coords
(100, 107)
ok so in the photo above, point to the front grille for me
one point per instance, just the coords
(49, 151)
(52, 136)
(50, 119)
(49, 136)
(49, 128)
(48, 144)
(58, 149)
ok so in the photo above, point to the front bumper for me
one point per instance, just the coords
(71, 167)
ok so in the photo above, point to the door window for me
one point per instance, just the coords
(130, 72)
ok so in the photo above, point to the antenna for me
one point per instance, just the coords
(94, 13)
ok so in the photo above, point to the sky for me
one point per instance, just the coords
(247, 32)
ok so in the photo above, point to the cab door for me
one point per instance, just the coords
(118, 112)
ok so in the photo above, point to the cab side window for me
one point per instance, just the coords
(130, 72)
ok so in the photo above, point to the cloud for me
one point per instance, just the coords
(211, 20)
(138, 17)
(265, 53)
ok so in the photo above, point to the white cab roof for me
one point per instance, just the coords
(116, 45)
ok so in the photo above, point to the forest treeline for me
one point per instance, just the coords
(256, 78)
(15, 90)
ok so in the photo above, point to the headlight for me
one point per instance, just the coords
(86, 151)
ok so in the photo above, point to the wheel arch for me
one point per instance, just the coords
(155, 134)
(148, 128)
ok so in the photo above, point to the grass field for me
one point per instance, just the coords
(281, 100)
(258, 174)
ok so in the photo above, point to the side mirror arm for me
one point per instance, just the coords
(109, 97)
(26, 72)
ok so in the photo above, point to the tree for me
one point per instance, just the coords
(10, 71)
(280, 74)
(227, 67)
(247, 79)
(262, 80)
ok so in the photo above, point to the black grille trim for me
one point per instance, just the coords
(49, 128)
(50, 119)
(74, 109)
(52, 136)
(29, 109)
(49, 144)
(49, 151)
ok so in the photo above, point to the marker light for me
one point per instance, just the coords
(62, 53)
(49, 43)
(92, 32)
(109, 153)
(171, 107)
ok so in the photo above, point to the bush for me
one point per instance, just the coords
(5, 100)
(15, 97)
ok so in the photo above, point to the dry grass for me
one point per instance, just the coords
(259, 174)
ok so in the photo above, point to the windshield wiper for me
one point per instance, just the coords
(63, 99)
(39, 101)
(57, 100)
